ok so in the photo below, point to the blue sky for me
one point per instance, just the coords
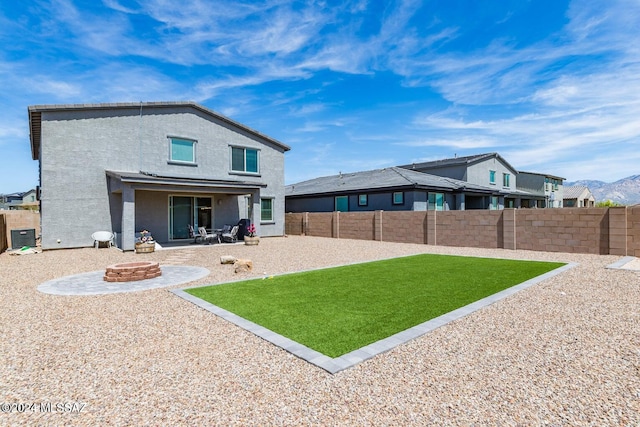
(551, 85)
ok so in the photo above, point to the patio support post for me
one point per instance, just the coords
(256, 210)
(128, 218)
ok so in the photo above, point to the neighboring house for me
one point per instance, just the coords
(547, 187)
(29, 201)
(487, 170)
(156, 166)
(392, 188)
(7, 200)
(578, 197)
(20, 201)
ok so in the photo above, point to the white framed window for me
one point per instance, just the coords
(182, 150)
(266, 210)
(397, 198)
(492, 177)
(505, 179)
(245, 160)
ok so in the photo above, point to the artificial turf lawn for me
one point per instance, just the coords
(338, 310)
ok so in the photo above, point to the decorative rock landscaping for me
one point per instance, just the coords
(562, 352)
(132, 271)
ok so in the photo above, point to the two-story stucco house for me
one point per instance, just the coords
(489, 170)
(156, 166)
(549, 189)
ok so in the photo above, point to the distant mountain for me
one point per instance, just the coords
(625, 191)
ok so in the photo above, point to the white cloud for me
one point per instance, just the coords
(463, 143)
(54, 88)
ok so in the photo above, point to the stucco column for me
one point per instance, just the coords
(255, 210)
(128, 218)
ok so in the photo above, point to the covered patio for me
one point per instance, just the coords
(167, 206)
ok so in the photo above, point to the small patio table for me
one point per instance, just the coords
(214, 233)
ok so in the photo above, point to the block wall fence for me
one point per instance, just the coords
(16, 220)
(614, 231)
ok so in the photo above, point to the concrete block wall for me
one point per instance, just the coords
(614, 231)
(294, 225)
(3, 234)
(319, 224)
(403, 226)
(576, 230)
(356, 225)
(477, 229)
(509, 229)
(618, 231)
(633, 231)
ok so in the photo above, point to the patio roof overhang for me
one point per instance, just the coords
(152, 182)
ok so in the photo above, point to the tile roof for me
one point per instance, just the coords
(387, 178)
(453, 161)
(574, 191)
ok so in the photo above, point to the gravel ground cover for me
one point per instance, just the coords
(563, 352)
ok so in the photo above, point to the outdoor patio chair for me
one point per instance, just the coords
(192, 233)
(103, 237)
(206, 237)
(230, 236)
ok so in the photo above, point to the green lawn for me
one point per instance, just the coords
(337, 310)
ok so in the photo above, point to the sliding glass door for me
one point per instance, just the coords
(187, 210)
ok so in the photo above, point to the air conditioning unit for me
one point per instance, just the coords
(25, 237)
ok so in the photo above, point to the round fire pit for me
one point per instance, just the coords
(132, 271)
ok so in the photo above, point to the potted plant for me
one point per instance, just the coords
(145, 242)
(251, 238)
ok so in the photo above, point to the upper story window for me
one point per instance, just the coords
(245, 160)
(492, 177)
(505, 179)
(182, 150)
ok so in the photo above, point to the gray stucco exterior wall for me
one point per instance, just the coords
(78, 146)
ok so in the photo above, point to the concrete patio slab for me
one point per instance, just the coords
(92, 283)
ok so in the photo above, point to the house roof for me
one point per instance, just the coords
(146, 180)
(457, 161)
(546, 175)
(575, 191)
(35, 118)
(387, 178)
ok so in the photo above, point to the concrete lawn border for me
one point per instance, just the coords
(348, 360)
(621, 263)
